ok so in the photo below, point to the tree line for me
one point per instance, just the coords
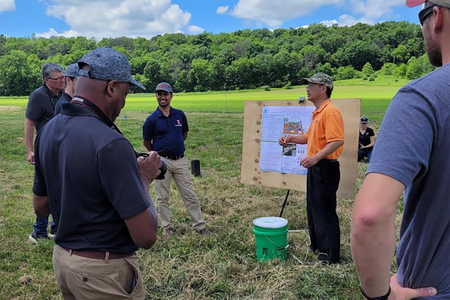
(228, 61)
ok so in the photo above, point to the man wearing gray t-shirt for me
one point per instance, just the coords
(411, 155)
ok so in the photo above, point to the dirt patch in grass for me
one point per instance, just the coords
(10, 108)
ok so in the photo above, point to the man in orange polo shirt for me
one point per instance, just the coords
(325, 139)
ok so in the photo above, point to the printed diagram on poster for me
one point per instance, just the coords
(280, 121)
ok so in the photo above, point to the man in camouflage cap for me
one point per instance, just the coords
(88, 173)
(325, 139)
(319, 78)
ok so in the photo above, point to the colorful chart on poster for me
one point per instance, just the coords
(280, 121)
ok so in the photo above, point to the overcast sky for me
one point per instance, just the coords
(147, 18)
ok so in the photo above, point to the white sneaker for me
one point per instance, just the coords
(35, 239)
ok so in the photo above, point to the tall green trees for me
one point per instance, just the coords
(238, 60)
(16, 76)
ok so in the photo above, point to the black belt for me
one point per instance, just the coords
(329, 160)
(172, 157)
(99, 254)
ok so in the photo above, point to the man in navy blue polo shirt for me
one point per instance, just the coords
(70, 78)
(165, 131)
(40, 109)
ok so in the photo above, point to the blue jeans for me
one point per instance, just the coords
(40, 227)
(369, 156)
(365, 153)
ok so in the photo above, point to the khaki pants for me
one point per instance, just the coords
(179, 170)
(100, 279)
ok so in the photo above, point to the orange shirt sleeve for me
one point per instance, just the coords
(334, 126)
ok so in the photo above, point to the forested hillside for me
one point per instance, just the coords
(229, 61)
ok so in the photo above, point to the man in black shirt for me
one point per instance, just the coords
(87, 173)
(70, 78)
(40, 110)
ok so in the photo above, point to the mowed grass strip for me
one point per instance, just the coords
(233, 101)
(188, 266)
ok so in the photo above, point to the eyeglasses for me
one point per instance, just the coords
(310, 85)
(425, 13)
(57, 78)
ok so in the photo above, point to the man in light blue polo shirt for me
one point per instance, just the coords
(165, 131)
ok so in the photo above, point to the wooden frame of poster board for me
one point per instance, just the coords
(250, 172)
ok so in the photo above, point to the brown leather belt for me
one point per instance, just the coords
(99, 254)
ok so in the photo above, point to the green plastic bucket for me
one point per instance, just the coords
(271, 238)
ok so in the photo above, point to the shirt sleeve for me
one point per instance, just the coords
(185, 123)
(120, 178)
(34, 109)
(403, 151)
(334, 127)
(148, 130)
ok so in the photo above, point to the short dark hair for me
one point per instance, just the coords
(329, 92)
(50, 67)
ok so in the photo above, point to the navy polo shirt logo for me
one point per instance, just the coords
(178, 123)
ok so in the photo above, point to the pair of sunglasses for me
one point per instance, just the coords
(425, 13)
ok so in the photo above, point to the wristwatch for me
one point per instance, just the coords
(385, 297)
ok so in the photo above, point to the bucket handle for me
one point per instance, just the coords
(287, 245)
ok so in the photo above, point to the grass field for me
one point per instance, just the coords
(187, 266)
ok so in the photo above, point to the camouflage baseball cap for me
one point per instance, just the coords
(71, 71)
(107, 64)
(319, 78)
(413, 3)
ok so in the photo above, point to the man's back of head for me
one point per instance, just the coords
(105, 78)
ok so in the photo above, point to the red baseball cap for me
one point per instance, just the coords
(443, 3)
(413, 3)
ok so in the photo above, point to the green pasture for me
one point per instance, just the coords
(233, 101)
(187, 266)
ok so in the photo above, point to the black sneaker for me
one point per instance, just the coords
(205, 232)
(35, 239)
(326, 260)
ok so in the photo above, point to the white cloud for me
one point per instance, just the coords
(53, 32)
(7, 5)
(329, 22)
(275, 13)
(344, 20)
(116, 18)
(373, 11)
(222, 9)
(195, 29)
(370, 12)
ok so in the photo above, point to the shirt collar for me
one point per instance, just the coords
(72, 109)
(51, 94)
(161, 114)
(322, 107)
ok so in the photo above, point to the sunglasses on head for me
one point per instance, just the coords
(425, 13)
